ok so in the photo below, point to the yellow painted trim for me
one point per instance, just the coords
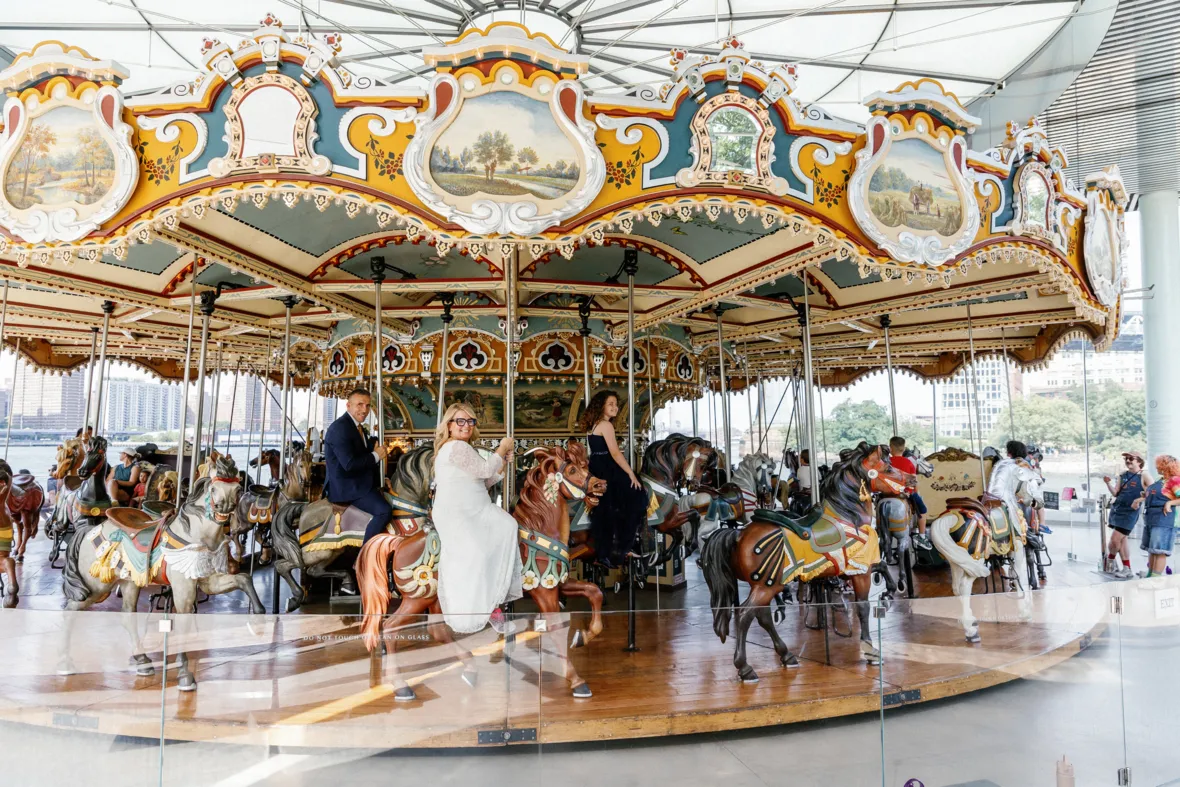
(475, 31)
(45, 91)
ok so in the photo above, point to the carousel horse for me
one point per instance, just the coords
(258, 505)
(669, 466)
(978, 537)
(747, 490)
(183, 549)
(406, 558)
(12, 586)
(310, 535)
(69, 458)
(896, 519)
(160, 486)
(835, 539)
(25, 499)
(86, 503)
(270, 458)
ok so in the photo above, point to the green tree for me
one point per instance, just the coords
(492, 149)
(527, 158)
(1052, 423)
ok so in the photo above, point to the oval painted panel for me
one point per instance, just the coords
(912, 189)
(504, 144)
(63, 159)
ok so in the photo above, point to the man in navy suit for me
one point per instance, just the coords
(354, 464)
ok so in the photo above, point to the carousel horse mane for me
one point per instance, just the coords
(410, 480)
(841, 487)
(533, 510)
(746, 473)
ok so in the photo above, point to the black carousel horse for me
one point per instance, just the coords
(86, 504)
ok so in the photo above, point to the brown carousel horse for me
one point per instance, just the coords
(269, 457)
(835, 539)
(69, 459)
(408, 554)
(25, 499)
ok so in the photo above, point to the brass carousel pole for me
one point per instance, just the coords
(1008, 385)
(233, 400)
(885, 323)
(975, 389)
(724, 465)
(584, 314)
(251, 401)
(208, 304)
(749, 400)
(631, 267)
(934, 414)
(510, 271)
(695, 402)
(188, 357)
(265, 394)
(108, 308)
(89, 366)
(12, 404)
(3, 325)
(651, 404)
(288, 302)
(809, 374)
(216, 397)
(377, 268)
(448, 302)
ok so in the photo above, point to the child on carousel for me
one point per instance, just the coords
(899, 460)
(1159, 521)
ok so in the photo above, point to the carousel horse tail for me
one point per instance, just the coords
(940, 535)
(285, 532)
(371, 575)
(719, 576)
(73, 583)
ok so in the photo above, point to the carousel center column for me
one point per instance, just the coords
(1160, 217)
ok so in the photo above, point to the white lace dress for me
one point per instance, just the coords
(480, 563)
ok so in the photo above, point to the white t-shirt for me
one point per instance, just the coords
(803, 476)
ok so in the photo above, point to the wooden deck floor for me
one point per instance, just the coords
(307, 680)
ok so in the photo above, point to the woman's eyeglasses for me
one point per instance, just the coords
(464, 421)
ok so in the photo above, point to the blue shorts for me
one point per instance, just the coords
(919, 505)
(1158, 539)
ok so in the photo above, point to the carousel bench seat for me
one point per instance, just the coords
(824, 535)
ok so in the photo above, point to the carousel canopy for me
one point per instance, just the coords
(283, 172)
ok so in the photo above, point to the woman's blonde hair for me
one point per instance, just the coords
(442, 432)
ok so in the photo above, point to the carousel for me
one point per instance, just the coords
(509, 240)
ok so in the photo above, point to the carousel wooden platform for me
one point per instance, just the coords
(305, 680)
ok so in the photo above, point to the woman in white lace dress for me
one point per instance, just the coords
(480, 566)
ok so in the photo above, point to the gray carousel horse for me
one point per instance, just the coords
(86, 503)
(896, 520)
(747, 490)
(186, 550)
(309, 536)
(259, 505)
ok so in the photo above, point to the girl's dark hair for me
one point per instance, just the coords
(593, 413)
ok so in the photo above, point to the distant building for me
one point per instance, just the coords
(248, 404)
(957, 413)
(47, 401)
(1121, 364)
(137, 406)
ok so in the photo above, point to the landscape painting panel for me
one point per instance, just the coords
(504, 144)
(486, 403)
(545, 406)
(913, 190)
(63, 159)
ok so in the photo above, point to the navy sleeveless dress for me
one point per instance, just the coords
(615, 521)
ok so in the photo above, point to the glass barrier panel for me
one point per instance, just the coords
(277, 697)
(73, 699)
(1041, 683)
(1150, 645)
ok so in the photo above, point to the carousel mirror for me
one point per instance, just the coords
(734, 133)
(269, 116)
(1037, 201)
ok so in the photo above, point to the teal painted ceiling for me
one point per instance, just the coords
(146, 257)
(214, 274)
(701, 239)
(422, 261)
(598, 263)
(304, 226)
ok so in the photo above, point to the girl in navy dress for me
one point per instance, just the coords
(615, 521)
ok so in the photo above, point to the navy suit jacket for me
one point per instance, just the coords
(352, 472)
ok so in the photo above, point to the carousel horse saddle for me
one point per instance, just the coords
(264, 504)
(980, 506)
(133, 550)
(343, 525)
(141, 527)
(824, 534)
(24, 481)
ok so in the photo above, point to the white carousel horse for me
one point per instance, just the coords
(131, 549)
(976, 537)
(753, 476)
